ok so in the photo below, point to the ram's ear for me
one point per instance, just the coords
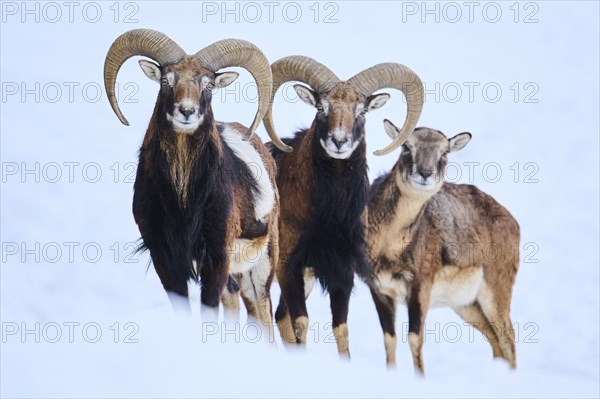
(459, 141)
(306, 95)
(377, 101)
(151, 70)
(224, 79)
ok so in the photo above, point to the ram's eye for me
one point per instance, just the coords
(360, 110)
(320, 108)
(210, 86)
(170, 79)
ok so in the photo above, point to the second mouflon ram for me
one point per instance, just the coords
(439, 244)
(324, 186)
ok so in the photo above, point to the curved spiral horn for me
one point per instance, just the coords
(240, 53)
(146, 42)
(302, 69)
(398, 77)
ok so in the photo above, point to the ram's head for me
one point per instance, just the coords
(186, 81)
(342, 105)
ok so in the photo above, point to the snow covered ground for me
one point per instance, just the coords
(82, 317)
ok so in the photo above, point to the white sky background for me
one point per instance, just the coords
(543, 57)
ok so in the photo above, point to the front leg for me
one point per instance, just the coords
(213, 277)
(340, 300)
(386, 310)
(292, 300)
(176, 288)
(217, 234)
(155, 215)
(418, 305)
(426, 261)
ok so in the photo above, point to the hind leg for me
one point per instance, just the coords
(230, 298)
(255, 286)
(473, 315)
(495, 304)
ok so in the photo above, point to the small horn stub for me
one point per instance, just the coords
(398, 77)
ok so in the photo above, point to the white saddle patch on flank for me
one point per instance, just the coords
(265, 199)
(452, 286)
(246, 254)
(455, 286)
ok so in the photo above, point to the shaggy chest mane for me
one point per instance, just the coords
(181, 154)
(334, 239)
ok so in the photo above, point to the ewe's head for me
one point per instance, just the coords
(342, 105)
(423, 159)
(186, 81)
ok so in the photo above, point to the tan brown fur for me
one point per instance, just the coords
(187, 69)
(430, 246)
(313, 180)
(342, 100)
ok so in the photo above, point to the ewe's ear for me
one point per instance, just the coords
(391, 129)
(376, 101)
(224, 79)
(306, 95)
(459, 141)
(151, 70)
